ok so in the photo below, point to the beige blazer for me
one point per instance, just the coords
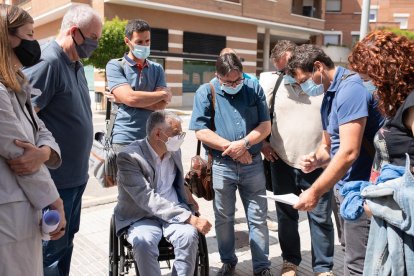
(22, 197)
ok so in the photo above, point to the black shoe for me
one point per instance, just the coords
(264, 272)
(226, 270)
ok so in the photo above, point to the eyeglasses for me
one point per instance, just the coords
(231, 83)
(181, 135)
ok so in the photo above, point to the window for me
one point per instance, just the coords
(159, 39)
(402, 18)
(197, 72)
(233, 1)
(198, 43)
(373, 14)
(332, 39)
(333, 5)
(355, 39)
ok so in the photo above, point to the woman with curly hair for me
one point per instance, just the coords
(387, 60)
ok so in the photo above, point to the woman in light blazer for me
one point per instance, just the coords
(26, 148)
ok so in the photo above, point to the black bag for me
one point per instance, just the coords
(266, 163)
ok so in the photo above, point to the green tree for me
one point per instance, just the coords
(408, 34)
(111, 44)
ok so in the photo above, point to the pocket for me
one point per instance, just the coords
(19, 221)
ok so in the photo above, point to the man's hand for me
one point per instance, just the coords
(31, 160)
(245, 158)
(111, 97)
(235, 149)
(307, 200)
(167, 94)
(60, 230)
(308, 163)
(367, 210)
(268, 152)
(202, 225)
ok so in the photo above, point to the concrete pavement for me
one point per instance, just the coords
(90, 255)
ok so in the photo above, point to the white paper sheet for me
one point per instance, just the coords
(290, 199)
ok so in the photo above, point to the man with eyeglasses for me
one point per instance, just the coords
(350, 119)
(292, 108)
(64, 105)
(153, 201)
(241, 122)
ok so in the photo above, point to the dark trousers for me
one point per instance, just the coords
(355, 238)
(57, 255)
(287, 179)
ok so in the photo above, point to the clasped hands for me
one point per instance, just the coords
(238, 152)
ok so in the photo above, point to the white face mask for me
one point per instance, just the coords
(174, 143)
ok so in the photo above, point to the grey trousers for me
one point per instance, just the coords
(355, 237)
(145, 234)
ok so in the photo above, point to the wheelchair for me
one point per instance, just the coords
(121, 255)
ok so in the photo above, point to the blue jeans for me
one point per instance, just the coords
(228, 176)
(58, 254)
(145, 234)
(287, 179)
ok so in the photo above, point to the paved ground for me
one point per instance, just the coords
(90, 255)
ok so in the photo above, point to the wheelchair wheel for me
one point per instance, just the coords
(113, 250)
(202, 264)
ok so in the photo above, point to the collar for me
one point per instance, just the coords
(154, 155)
(133, 63)
(63, 55)
(339, 72)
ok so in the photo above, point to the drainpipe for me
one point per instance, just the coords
(266, 50)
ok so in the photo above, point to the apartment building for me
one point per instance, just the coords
(343, 17)
(187, 35)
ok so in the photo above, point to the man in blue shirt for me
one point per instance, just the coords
(65, 108)
(241, 122)
(350, 120)
(136, 84)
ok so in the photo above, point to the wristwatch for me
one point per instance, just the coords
(246, 143)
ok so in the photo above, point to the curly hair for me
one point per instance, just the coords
(388, 60)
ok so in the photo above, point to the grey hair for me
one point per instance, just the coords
(80, 15)
(281, 47)
(159, 119)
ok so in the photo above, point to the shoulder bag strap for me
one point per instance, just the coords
(213, 99)
(111, 111)
(272, 103)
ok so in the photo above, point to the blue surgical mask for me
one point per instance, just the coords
(232, 90)
(311, 88)
(141, 52)
(370, 86)
(288, 79)
(85, 49)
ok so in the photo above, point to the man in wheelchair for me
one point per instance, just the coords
(152, 199)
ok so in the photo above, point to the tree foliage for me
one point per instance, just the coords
(408, 34)
(111, 44)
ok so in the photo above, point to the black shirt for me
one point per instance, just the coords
(395, 139)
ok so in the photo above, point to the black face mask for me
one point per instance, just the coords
(28, 52)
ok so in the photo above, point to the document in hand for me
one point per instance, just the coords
(290, 199)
